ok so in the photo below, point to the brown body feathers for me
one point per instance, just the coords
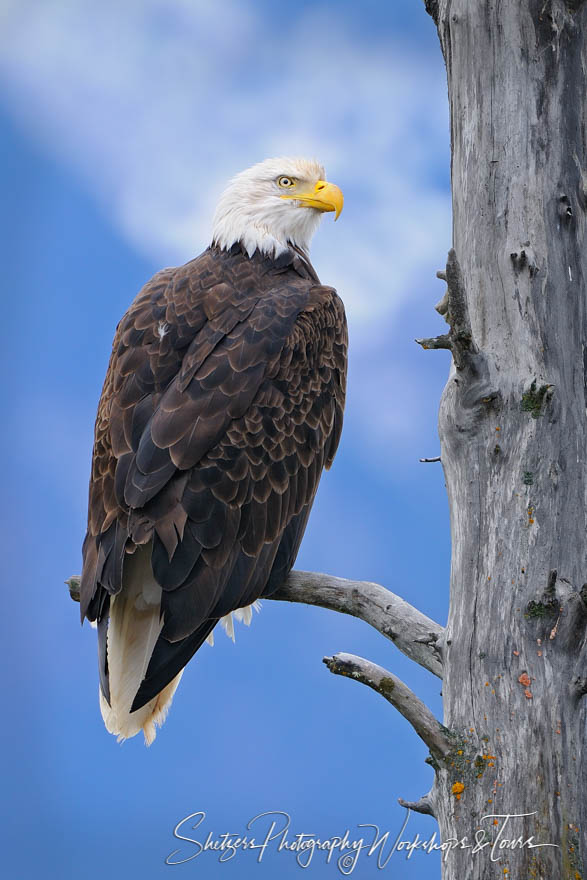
(222, 404)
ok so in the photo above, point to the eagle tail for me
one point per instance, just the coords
(134, 626)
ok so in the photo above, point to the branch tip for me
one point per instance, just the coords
(73, 583)
(398, 694)
(423, 805)
(434, 342)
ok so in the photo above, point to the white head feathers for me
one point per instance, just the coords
(253, 210)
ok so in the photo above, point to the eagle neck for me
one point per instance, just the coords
(292, 257)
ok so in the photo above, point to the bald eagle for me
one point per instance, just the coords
(222, 403)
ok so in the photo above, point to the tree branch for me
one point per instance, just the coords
(424, 805)
(413, 633)
(433, 342)
(73, 583)
(398, 694)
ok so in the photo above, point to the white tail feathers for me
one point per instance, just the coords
(147, 719)
(133, 629)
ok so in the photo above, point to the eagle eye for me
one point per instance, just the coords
(286, 182)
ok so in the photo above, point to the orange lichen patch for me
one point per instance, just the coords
(457, 789)
(486, 684)
(495, 822)
(516, 653)
(524, 679)
(528, 694)
(498, 429)
(539, 653)
(460, 752)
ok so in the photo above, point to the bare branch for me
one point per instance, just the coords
(73, 583)
(442, 305)
(443, 341)
(398, 694)
(424, 805)
(429, 460)
(413, 633)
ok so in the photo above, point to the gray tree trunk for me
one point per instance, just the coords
(513, 432)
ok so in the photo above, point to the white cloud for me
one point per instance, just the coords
(156, 104)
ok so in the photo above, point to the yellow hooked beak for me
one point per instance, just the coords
(323, 196)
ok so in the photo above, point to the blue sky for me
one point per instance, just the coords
(120, 124)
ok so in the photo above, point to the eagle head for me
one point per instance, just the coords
(275, 203)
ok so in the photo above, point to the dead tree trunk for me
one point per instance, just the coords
(513, 431)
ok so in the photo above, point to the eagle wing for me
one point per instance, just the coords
(222, 403)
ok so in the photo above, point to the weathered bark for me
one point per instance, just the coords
(513, 433)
